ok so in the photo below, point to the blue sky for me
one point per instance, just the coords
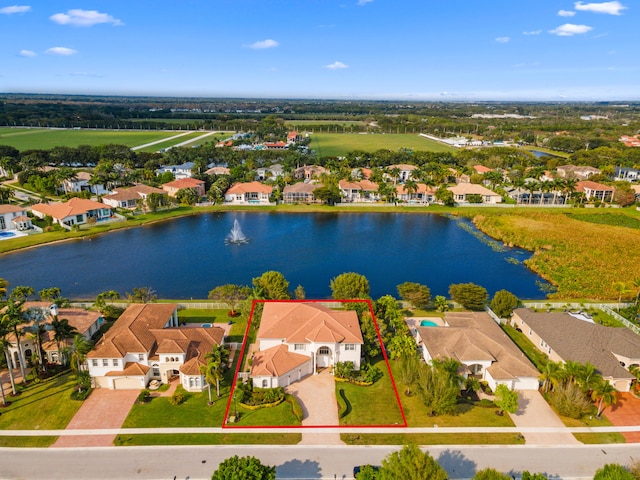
(361, 49)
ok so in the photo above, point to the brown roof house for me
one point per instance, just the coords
(147, 344)
(461, 191)
(248, 193)
(296, 338)
(564, 337)
(131, 197)
(479, 344)
(76, 211)
(172, 188)
(360, 191)
(422, 195)
(595, 191)
(300, 193)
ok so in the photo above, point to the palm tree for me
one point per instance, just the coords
(545, 187)
(572, 371)
(605, 394)
(36, 317)
(4, 346)
(550, 375)
(3, 288)
(635, 283)
(569, 187)
(588, 377)
(81, 346)
(621, 289)
(532, 186)
(12, 318)
(411, 187)
(61, 331)
(213, 371)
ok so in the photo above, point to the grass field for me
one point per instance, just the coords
(433, 438)
(43, 138)
(345, 123)
(209, 439)
(174, 141)
(338, 144)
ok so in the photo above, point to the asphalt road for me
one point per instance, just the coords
(299, 462)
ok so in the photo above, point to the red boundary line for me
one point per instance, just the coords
(384, 354)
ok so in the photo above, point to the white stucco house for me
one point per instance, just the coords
(13, 218)
(146, 344)
(461, 191)
(248, 193)
(82, 183)
(296, 338)
(76, 211)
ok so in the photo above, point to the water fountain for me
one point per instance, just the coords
(236, 237)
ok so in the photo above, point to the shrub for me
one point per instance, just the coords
(144, 396)
(81, 394)
(371, 374)
(485, 403)
(296, 409)
(571, 402)
(177, 398)
(344, 370)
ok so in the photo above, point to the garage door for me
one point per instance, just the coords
(127, 383)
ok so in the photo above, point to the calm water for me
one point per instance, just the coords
(187, 257)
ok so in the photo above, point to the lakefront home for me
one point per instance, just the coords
(300, 193)
(361, 191)
(131, 198)
(461, 193)
(595, 191)
(172, 188)
(248, 193)
(146, 344)
(295, 339)
(422, 195)
(76, 211)
(13, 219)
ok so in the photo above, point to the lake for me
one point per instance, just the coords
(186, 257)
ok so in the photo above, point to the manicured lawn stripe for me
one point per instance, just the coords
(339, 144)
(433, 439)
(27, 442)
(210, 439)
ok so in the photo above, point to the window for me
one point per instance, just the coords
(141, 357)
(298, 346)
(530, 332)
(115, 362)
(79, 218)
(94, 362)
(105, 362)
(264, 384)
(350, 347)
(156, 371)
(324, 351)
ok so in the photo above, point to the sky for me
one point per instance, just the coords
(541, 50)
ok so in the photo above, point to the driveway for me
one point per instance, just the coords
(534, 411)
(103, 409)
(317, 397)
(626, 411)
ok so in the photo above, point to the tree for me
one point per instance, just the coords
(61, 331)
(213, 371)
(621, 289)
(414, 293)
(54, 295)
(605, 394)
(299, 293)
(142, 295)
(5, 330)
(490, 474)
(411, 463)
(613, 471)
(21, 293)
(329, 194)
(243, 468)
(409, 368)
(367, 472)
(187, 196)
(273, 285)
(231, 295)
(349, 285)
(12, 318)
(101, 299)
(506, 399)
(402, 345)
(469, 295)
(503, 303)
(81, 346)
(441, 303)
(439, 392)
(4, 284)
(444, 195)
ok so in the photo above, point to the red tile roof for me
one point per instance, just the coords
(247, 187)
(276, 361)
(75, 206)
(184, 183)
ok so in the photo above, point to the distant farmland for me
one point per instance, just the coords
(338, 144)
(43, 138)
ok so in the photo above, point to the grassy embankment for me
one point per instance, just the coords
(340, 144)
(46, 405)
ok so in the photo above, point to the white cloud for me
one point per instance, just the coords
(27, 53)
(84, 18)
(262, 44)
(503, 39)
(362, 3)
(566, 13)
(570, 29)
(15, 9)
(610, 8)
(64, 51)
(336, 66)
(533, 32)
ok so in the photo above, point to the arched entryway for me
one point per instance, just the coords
(324, 357)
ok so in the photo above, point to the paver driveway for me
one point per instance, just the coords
(626, 411)
(103, 409)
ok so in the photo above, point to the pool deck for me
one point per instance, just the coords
(414, 322)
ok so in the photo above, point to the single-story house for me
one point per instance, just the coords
(578, 172)
(300, 193)
(218, 171)
(292, 137)
(146, 344)
(14, 218)
(172, 188)
(82, 183)
(481, 169)
(179, 171)
(479, 344)
(307, 172)
(422, 195)
(294, 339)
(248, 193)
(360, 191)
(564, 337)
(76, 211)
(86, 322)
(131, 197)
(595, 191)
(462, 190)
(279, 145)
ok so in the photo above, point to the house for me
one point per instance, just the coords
(461, 191)
(627, 174)
(630, 141)
(564, 337)
(76, 211)
(404, 171)
(595, 191)
(577, 172)
(636, 188)
(423, 194)
(82, 183)
(132, 197)
(481, 169)
(248, 193)
(14, 219)
(484, 350)
(309, 172)
(296, 338)
(172, 188)
(280, 145)
(86, 322)
(300, 193)
(146, 344)
(360, 191)
(274, 171)
(218, 171)
(179, 171)
(292, 138)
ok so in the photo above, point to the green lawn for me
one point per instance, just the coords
(27, 442)
(433, 438)
(339, 144)
(280, 415)
(172, 142)
(536, 357)
(210, 439)
(45, 405)
(43, 138)
(593, 421)
(613, 219)
(204, 315)
(373, 405)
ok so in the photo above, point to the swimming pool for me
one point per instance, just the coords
(206, 325)
(428, 323)
(7, 234)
